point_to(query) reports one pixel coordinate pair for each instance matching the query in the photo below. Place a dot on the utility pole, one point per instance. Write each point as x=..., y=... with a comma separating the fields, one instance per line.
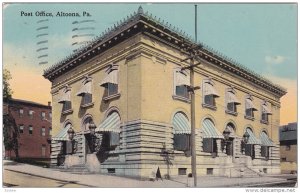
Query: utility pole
x=192, y=93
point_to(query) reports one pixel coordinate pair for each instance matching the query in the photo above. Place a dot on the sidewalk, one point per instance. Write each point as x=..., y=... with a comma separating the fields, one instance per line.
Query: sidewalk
x=107, y=181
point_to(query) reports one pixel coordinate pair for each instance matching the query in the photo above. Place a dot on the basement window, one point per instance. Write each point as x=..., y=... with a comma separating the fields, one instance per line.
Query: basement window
x=111, y=170
x=182, y=171
x=209, y=171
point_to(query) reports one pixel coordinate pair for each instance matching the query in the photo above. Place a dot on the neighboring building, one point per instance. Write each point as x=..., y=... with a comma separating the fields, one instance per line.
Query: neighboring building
x=34, y=123
x=128, y=84
x=288, y=148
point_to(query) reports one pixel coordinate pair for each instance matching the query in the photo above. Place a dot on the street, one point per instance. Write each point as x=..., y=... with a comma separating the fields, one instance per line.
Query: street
x=25, y=175
x=16, y=179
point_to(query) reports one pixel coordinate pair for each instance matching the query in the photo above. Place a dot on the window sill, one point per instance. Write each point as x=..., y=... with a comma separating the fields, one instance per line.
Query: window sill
x=249, y=118
x=87, y=105
x=264, y=122
x=107, y=98
x=231, y=112
x=209, y=106
x=69, y=111
x=181, y=98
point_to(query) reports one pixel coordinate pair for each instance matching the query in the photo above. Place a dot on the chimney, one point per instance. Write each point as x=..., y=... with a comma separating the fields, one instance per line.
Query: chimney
x=49, y=103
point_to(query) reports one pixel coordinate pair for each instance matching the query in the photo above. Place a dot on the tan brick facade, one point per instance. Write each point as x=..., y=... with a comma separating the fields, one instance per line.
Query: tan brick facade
x=146, y=105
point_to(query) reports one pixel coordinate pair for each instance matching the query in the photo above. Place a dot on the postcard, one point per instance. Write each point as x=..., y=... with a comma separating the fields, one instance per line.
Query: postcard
x=149, y=95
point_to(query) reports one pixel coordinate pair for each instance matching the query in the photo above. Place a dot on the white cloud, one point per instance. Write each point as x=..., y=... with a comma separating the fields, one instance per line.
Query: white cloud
x=275, y=59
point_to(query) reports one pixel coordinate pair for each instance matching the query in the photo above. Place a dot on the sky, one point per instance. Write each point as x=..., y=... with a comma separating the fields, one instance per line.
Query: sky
x=262, y=37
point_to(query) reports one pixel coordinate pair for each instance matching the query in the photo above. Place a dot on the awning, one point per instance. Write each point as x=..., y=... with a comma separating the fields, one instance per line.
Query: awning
x=265, y=140
x=111, y=77
x=181, y=124
x=182, y=79
x=266, y=110
x=209, y=89
x=232, y=98
x=85, y=89
x=65, y=96
x=252, y=139
x=209, y=130
x=110, y=124
x=250, y=105
x=63, y=134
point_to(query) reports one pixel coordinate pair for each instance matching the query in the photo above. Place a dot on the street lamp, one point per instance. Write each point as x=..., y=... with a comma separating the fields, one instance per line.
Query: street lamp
x=92, y=128
x=71, y=133
x=246, y=137
x=226, y=134
x=245, y=141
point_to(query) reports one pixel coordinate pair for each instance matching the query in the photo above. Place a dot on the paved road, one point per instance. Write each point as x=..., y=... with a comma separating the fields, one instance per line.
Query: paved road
x=25, y=175
x=16, y=179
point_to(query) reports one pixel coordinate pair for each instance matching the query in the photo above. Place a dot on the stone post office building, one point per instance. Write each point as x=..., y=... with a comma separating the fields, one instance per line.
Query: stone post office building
x=127, y=100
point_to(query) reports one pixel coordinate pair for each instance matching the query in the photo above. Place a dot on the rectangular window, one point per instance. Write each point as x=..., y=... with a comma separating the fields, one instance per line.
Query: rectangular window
x=283, y=159
x=264, y=117
x=209, y=100
x=110, y=89
x=209, y=171
x=21, y=112
x=30, y=113
x=87, y=98
x=21, y=128
x=249, y=113
x=43, y=150
x=181, y=142
x=210, y=146
x=30, y=130
x=265, y=151
x=50, y=115
x=67, y=106
x=182, y=91
x=43, y=131
x=249, y=150
x=43, y=115
x=111, y=170
x=182, y=171
x=231, y=107
x=50, y=131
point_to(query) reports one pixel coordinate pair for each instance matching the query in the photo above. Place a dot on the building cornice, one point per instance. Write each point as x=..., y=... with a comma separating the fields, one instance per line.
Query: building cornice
x=146, y=23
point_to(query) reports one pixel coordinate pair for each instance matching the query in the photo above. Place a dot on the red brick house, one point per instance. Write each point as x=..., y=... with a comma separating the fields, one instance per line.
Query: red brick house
x=34, y=124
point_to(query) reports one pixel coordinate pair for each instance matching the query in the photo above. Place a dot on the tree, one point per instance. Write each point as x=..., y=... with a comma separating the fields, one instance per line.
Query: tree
x=7, y=92
x=10, y=128
x=10, y=134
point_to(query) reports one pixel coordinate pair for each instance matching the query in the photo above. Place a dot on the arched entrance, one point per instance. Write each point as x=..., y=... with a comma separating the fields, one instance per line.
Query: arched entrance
x=229, y=143
x=88, y=142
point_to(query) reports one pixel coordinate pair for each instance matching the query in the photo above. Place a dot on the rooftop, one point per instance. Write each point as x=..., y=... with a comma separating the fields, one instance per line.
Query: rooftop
x=25, y=102
x=143, y=21
x=288, y=132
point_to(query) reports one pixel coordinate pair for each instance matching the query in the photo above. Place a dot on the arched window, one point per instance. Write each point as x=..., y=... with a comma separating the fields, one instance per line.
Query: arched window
x=210, y=136
x=181, y=132
x=266, y=143
x=86, y=123
x=110, y=128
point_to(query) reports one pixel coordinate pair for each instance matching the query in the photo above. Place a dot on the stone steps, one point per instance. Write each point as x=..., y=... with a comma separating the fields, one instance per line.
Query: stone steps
x=75, y=169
